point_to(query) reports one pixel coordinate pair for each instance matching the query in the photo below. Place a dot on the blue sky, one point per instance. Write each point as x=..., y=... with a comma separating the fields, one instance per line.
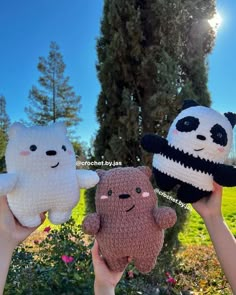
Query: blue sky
x=27, y=27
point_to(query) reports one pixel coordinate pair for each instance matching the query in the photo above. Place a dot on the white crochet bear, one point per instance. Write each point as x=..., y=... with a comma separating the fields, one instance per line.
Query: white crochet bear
x=41, y=174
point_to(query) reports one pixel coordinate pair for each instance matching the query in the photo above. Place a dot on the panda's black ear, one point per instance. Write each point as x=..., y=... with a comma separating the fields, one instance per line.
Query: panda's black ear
x=188, y=103
x=231, y=117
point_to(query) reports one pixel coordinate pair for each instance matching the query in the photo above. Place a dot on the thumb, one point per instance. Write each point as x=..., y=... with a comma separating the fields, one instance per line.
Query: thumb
x=95, y=250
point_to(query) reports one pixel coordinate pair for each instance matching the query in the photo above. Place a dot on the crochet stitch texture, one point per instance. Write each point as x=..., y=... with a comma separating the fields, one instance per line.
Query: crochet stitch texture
x=127, y=222
x=41, y=174
x=192, y=156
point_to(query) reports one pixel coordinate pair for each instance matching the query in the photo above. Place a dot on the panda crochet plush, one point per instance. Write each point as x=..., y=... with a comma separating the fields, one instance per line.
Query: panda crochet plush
x=198, y=142
x=41, y=174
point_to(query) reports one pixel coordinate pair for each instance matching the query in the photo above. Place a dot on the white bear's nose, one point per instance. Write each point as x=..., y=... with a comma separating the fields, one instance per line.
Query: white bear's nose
x=51, y=153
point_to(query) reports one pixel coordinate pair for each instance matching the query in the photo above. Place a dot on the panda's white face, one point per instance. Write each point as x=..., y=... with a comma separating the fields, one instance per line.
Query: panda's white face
x=202, y=132
x=39, y=149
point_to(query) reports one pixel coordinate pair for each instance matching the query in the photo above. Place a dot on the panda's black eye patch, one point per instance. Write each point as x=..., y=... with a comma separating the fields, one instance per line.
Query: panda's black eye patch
x=187, y=124
x=219, y=135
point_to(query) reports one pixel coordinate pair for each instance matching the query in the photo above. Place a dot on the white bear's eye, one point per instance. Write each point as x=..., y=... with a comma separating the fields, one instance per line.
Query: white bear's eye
x=109, y=193
x=33, y=148
x=64, y=148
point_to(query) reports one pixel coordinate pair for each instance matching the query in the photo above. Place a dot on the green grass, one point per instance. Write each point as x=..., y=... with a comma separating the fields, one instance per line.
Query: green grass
x=195, y=231
x=78, y=213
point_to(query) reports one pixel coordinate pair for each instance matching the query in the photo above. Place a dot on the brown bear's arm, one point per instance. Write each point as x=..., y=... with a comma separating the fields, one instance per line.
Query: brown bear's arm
x=165, y=217
x=91, y=224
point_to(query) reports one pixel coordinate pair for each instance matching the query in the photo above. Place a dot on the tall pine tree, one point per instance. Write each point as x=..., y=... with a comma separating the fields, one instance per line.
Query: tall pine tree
x=152, y=54
x=54, y=99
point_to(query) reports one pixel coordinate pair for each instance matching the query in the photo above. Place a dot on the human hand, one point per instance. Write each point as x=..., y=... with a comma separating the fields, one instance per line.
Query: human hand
x=210, y=207
x=105, y=279
x=11, y=231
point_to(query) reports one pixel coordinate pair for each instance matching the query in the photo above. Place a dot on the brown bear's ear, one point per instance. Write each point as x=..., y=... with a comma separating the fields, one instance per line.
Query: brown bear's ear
x=146, y=170
x=100, y=173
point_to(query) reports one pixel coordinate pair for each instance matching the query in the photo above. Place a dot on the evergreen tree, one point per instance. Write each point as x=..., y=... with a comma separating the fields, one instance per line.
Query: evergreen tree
x=4, y=124
x=4, y=118
x=151, y=55
x=55, y=99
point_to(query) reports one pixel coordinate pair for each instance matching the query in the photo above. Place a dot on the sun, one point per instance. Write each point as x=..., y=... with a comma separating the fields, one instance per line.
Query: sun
x=216, y=21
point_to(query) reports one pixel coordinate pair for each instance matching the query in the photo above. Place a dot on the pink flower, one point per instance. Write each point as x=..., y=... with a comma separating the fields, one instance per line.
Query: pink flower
x=130, y=274
x=47, y=229
x=67, y=259
x=167, y=274
x=171, y=281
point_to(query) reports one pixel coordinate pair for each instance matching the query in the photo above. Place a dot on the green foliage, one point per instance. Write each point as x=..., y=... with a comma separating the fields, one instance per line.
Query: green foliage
x=151, y=56
x=41, y=270
x=161, y=60
x=195, y=231
x=3, y=143
x=55, y=99
x=38, y=269
x=78, y=214
x=89, y=200
x=4, y=125
x=4, y=118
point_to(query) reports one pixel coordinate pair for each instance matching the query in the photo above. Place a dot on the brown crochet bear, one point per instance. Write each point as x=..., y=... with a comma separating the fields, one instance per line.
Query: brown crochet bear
x=128, y=222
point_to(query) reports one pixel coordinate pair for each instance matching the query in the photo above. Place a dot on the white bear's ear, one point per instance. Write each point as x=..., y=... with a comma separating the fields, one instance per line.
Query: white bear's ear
x=15, y=128
x=60, y=126
x=101, y=173
x=146, y=170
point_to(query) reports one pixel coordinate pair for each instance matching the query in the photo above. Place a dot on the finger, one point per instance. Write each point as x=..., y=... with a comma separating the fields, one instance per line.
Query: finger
x=95, y=250
x=3, y=202
x=130, y=259
x=43, y=217
x=217, y=187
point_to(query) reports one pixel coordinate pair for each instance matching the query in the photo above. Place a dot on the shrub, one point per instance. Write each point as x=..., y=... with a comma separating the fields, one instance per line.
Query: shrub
x=59, y=264
x=42, y=268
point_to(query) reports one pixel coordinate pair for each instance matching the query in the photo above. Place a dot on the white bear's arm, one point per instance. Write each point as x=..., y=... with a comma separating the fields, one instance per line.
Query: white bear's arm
x=7, y=183
x=87, y=178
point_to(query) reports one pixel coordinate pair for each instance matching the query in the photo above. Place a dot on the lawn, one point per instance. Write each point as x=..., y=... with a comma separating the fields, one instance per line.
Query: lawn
x=195, y=231
x=197, y=270
x=78, y=213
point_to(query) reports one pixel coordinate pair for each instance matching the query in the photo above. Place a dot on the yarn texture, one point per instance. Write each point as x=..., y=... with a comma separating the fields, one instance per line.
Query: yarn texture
x=198, y=142
x=127, y=222
x=41, y=174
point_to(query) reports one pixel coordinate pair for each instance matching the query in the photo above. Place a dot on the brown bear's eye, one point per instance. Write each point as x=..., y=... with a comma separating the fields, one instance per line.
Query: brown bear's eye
x=138, y=190
x=109, y=193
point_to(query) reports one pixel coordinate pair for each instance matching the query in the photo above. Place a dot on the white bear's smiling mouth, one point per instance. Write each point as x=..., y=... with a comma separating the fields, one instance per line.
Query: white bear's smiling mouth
x=130, y=208
x=199, y=150
x=55, y=165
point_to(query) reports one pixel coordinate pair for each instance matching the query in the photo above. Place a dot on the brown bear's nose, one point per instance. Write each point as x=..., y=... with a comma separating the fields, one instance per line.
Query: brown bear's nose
x=124, y=196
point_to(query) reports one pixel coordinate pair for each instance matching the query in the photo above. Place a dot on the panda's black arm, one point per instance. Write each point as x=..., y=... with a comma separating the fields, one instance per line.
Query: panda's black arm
x=225, y=175
x=153, y=143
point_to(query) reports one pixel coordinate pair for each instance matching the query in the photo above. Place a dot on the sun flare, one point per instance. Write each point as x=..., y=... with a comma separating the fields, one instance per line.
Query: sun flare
x=216, y=21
